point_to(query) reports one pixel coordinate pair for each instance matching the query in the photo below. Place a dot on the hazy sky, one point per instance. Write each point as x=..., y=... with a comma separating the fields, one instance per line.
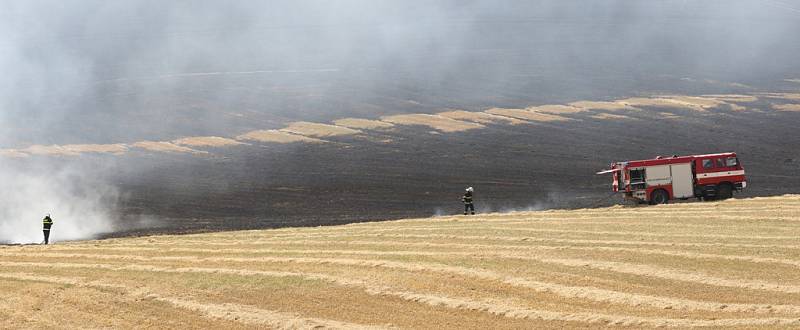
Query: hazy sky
x=100, y=71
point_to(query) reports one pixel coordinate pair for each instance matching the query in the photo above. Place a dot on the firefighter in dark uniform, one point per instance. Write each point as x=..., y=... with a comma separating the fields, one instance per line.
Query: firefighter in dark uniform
x=467, y=199
x=47, y=222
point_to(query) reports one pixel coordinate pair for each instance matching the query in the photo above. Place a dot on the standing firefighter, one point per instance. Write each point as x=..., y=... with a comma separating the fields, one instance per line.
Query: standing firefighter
x=467, y=199
x=47, y=222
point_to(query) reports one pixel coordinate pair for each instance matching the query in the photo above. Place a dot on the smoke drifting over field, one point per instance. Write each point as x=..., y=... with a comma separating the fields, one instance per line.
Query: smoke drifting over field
x=81, y=206
x=81, y=71
x=183, y=77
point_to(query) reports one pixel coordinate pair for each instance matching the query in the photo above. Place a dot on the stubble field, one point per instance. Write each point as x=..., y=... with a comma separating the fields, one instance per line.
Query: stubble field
x=732, y=263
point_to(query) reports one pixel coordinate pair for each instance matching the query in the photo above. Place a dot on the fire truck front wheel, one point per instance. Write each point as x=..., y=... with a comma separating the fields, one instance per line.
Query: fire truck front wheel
x=725, y=191
x=659, y=196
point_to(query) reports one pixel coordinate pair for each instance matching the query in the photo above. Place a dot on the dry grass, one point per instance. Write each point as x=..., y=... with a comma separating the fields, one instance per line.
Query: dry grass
x=722, y=264
x=669, y=115
x=557, y=109
x=116, y=149
x=480, y=117
x=206, y=141
x=436, y=122
x=162, y=146
x=358, y=123
x=526, y=115
x=782, y=96
x=609, y=116
x=318, y=130
x=648, y=102
x=786, y=107
x=703, y=103
x=276, y=136
x=51, y=150
x=675, y=101
x=599, y=105
x=12, y=153
x=68, y=150
x=732, y=97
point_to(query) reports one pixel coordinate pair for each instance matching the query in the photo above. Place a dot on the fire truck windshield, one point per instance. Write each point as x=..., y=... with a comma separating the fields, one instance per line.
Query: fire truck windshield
x=732, y=161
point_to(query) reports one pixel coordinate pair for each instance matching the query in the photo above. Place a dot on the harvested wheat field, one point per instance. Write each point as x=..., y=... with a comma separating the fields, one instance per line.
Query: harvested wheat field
x=733, y=263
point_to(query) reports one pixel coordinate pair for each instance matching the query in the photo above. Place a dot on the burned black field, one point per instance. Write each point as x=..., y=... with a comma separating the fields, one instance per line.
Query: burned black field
x=415, y=171
x=535, y=158
x=264, y=115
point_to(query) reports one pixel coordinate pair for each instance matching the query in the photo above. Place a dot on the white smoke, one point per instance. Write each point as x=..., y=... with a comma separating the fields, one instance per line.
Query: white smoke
x=81, y=206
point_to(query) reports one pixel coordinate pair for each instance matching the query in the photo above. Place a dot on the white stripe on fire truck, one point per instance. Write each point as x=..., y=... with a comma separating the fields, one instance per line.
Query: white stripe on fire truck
x=718, y=174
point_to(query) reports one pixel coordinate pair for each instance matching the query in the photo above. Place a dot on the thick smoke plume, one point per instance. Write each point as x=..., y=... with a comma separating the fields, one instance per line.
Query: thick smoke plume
x=118, y=65
x=81, y=205
x=100, y=72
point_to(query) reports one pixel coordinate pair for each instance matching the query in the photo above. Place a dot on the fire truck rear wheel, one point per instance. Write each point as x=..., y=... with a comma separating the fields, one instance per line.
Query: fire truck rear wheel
x=725, y=191
x=659, y=197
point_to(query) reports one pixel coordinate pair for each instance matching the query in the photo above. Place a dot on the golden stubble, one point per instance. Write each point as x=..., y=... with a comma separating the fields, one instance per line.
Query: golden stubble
x=437, y=122
x=318, y=130
x=359, y=123
x=480, y=117
x=601, y=105
x=206, y=141
x=781, y=96
x=527, y=115
x=695, y=103
x=557, y=109
x=163, y=146
x=276, y=136
x=13, y=153
x=787, y=107
x=721, y=264
x=72, y=149
x=609, y=116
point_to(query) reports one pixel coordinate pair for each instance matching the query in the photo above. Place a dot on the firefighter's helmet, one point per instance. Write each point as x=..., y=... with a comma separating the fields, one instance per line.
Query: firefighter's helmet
x=469, y=189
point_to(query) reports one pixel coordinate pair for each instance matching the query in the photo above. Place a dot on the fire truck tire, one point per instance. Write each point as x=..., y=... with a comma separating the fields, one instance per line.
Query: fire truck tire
x=659, y=196
x=725, y=191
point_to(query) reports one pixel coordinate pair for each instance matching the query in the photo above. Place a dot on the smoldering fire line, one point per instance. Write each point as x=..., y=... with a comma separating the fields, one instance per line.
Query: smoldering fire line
x=82, y=205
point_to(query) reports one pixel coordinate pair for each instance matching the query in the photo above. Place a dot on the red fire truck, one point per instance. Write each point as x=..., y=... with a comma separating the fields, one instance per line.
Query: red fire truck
x=659, y=180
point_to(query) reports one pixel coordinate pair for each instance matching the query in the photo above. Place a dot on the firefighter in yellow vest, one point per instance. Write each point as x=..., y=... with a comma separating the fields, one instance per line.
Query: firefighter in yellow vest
x=47, y=223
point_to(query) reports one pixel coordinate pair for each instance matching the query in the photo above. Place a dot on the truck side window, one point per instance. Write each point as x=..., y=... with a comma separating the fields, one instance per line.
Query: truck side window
x=720, y=162
x=707, y=163
x=731, y=161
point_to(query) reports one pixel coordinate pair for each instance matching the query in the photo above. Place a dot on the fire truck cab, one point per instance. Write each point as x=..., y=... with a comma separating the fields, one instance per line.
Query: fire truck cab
x=659, y=180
